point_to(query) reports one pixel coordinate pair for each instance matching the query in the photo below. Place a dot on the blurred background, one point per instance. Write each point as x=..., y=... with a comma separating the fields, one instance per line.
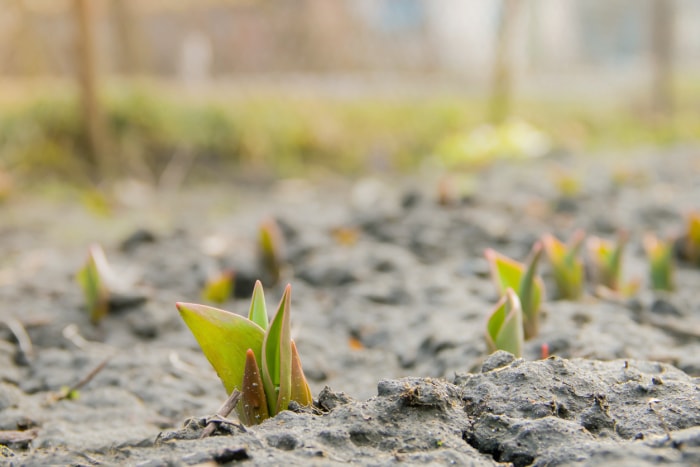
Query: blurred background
x=168, y=92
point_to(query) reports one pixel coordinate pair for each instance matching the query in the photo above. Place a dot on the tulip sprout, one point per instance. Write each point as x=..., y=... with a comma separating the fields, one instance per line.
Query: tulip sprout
x=219, y=288
x=508, y=273
x=252, y=356
x=504, y=327
x=270, y=246
x=660, y=255
x=95, y=278
x=567, y=266
x=606, y=265
x=691, y=246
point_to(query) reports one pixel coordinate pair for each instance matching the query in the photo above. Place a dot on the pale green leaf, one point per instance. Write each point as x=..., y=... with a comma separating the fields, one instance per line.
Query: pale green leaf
x=505, y=325
x=567, y=267
x=530, y=292
x=258, y=309
x=93, y=282
x=224, y=338
x=277, y=357
x=504, y=271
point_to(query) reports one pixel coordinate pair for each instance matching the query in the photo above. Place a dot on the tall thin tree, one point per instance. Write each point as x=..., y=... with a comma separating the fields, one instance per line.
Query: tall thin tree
x=662, y=40
x=502, y=77
x=93, y=115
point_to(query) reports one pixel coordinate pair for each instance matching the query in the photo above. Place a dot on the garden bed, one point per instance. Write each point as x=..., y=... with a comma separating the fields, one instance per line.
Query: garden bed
x=390, y=293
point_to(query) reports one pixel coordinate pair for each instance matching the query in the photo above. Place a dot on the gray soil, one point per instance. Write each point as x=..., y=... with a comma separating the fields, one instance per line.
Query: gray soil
x=389, y=328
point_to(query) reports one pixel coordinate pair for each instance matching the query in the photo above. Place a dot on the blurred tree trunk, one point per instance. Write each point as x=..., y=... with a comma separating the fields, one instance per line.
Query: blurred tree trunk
x=501, y=80
x=662, y=39
x=130, y=56
x=88, y=80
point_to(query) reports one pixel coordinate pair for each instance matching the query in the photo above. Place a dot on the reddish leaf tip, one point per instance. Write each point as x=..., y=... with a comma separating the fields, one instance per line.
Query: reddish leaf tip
x=537, y=247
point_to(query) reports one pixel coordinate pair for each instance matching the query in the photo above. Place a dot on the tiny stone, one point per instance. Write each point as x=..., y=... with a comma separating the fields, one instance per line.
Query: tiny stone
x=662, y=306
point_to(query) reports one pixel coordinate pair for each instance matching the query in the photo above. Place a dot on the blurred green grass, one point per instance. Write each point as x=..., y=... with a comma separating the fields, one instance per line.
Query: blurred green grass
x=235, y=133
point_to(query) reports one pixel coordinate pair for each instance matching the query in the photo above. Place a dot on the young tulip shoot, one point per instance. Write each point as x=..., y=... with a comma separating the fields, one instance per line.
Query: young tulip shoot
x=94, y=278
x=606, y=261
x=567, y=267
x=270, y=249
x=692, y=239
x=660, y=255
x=258, y=359
x=218, y=289
x=508, y=273
x=504, y=328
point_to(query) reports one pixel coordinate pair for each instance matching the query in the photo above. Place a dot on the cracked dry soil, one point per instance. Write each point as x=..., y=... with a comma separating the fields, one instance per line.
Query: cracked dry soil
x=390, y=294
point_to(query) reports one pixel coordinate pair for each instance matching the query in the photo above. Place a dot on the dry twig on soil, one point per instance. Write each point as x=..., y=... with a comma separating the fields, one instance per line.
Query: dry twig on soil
x=222, y=413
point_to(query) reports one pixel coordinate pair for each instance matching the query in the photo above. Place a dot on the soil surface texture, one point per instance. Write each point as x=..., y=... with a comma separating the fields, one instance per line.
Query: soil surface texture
x=390, y=293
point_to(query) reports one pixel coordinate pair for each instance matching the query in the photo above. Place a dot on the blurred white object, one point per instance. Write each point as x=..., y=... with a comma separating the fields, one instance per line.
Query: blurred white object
x=514, y=139
x=195, y=58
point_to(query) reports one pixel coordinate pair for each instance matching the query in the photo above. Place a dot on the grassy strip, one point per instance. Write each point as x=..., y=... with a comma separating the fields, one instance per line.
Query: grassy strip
x=41, y=134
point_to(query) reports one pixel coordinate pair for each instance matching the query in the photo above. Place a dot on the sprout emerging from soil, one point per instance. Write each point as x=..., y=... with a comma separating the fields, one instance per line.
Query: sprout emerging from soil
x=219, y=288
x=568, y=184
x=660, y=255
x=606, y=264
x=270, y=247
x=567, y=266
x=94, y=278
x=508, y=273
x=504, y=327
x=689, y=243
x=252, y=356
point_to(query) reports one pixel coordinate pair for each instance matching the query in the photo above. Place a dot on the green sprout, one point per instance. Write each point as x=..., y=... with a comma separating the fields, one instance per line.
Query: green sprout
x=252, y=356
x=504, y=327
x=606, y=262
x=690, y=247
x=219, y=288
x=567, y=266
x=660, y=255
x=94, y=278
x=270, y=246
x=508, y=273
x=568, y=184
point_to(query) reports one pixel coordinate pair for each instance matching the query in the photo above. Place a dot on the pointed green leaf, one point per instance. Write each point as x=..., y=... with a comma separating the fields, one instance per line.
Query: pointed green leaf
x=252, y=408
x=508, y=273
x=301, y=392
x=606, y=259
x=660, y=254
x=567, y=267
x=277, y=357
x=224, y=338
x=504, y=271
x=692, y=238
x=504, y=328
x=530, y=292
x=270, y=249
x=615, y=261
x=95, y=288
x=258, y=310
x=576, y=243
